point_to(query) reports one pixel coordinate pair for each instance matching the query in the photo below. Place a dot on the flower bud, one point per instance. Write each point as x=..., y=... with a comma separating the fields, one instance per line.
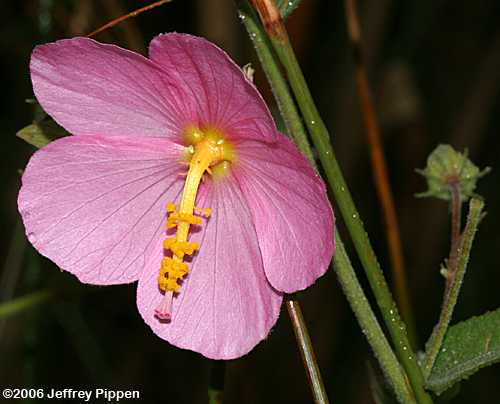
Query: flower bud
x=447, y=168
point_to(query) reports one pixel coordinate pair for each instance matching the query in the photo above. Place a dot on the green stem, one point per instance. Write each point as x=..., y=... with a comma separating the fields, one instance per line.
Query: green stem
x=345, y=273
x=279, y=86
x=287, y=7
x=370, y=326
x=18, y=305
x=295, y=128
x=463, y=251
x=321, y=139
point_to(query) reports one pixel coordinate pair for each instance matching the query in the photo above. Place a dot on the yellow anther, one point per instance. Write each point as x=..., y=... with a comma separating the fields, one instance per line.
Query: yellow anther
x=169, y=242
x=180, y=248
x=166, y=262
x=175, y=269
x=177, y=273
x=162, y=279
x=171, y=207
x=175, y=218
x=172, y=285
x=162, y=282
x=189, y=248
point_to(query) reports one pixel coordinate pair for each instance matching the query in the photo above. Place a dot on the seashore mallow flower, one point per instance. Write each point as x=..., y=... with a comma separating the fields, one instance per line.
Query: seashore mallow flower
x=175, y=176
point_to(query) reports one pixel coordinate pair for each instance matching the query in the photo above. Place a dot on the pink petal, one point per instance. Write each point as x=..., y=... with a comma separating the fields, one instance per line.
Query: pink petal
x=291, y=212
x=93, y=204
x=93, y=88
x=220, y=94
x=225, y=305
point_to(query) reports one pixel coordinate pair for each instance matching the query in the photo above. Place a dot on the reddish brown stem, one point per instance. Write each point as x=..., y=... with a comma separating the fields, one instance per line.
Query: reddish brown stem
x=456, y=221
x=306, y=350
x=127, y=16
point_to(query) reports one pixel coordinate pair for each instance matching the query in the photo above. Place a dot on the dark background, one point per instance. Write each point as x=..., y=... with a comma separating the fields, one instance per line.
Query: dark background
x=435, y=69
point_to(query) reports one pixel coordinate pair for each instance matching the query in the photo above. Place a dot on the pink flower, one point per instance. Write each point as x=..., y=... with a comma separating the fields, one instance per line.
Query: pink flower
x=249, y=222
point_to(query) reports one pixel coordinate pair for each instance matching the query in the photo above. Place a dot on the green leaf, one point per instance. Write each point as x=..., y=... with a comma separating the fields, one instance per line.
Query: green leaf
x=467, y=347
x=39, y=134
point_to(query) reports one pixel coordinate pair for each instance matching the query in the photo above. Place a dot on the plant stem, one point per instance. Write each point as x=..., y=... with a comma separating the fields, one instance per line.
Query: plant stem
x=456, y=222
x=370, y=326
x=279, y=86
x=306, y=350
x=287, y=7
x=18, y=305
x=344, y=270
x=295, y=128
x=456, y=276
x=345, y=273
x=279, y=38
x=379, y=168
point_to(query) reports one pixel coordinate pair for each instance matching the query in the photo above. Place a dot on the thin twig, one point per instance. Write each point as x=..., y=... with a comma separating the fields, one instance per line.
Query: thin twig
x=127, y=16
x=379, y=166
x=131, y=34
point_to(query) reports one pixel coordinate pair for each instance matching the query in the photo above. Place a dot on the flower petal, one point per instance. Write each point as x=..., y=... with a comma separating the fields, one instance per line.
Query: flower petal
x=221, y=95
x=93, y=88
x=92, y=204
x=225, y=305
x=291, y=212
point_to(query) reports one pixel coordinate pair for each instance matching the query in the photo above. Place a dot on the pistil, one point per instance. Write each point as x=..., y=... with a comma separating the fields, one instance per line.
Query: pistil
x=209, y=149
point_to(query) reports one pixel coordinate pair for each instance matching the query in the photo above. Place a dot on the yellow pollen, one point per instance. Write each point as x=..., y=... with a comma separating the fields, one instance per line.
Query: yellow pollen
x=206, y=149
x=170, y=207
x=177, y=217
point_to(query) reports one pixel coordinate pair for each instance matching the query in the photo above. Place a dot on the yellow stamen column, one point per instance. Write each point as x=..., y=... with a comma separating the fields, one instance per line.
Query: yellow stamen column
x=208, y=149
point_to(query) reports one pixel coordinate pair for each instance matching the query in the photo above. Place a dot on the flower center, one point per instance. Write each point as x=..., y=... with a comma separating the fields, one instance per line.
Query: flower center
x=207, y=152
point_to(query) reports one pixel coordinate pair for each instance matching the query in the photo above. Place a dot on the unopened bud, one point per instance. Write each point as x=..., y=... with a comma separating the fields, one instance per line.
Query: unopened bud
x=447, y=168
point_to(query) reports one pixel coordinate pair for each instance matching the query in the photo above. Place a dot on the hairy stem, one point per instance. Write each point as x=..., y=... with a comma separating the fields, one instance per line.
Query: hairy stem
x=455, y=277
x=370, y=326
x=295, y=128
x=344, y=270
x=279, y=86
x=279, y=38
